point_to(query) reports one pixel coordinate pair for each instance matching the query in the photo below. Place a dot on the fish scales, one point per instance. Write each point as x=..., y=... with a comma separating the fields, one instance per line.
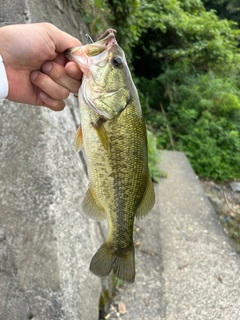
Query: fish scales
x=113, y=134
x=115, y=168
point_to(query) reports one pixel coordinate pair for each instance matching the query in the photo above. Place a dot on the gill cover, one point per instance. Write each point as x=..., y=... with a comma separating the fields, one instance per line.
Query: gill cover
x=104, y=66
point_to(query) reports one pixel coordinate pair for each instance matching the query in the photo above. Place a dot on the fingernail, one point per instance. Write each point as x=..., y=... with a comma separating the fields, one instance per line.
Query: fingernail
x=43, y=95
x=34, y=75
x=47, y=66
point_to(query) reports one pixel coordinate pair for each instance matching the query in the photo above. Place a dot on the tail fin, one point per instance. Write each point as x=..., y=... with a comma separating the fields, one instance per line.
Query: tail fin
x=123, y=265
x=102, y=262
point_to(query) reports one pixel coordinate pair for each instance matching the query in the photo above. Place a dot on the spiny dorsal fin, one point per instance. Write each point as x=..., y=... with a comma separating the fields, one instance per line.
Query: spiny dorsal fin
x=147, y=201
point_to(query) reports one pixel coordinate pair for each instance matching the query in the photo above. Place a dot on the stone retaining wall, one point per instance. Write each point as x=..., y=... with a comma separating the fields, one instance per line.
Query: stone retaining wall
x=46, y=242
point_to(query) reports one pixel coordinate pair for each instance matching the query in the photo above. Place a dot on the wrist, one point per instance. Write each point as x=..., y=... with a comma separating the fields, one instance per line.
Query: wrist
x=3, y=80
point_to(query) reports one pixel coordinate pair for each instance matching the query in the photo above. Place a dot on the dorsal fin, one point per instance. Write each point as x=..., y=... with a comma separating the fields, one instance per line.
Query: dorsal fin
x=147, y=201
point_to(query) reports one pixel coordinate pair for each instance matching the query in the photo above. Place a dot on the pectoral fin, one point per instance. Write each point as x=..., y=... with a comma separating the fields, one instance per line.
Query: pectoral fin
x=92, y=207
x=78, y=141
x=102, y=133
x=147, y=201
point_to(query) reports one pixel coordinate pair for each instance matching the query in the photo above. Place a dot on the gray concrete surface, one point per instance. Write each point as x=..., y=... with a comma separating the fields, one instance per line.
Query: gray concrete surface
x=46, y=242
x=186, y=266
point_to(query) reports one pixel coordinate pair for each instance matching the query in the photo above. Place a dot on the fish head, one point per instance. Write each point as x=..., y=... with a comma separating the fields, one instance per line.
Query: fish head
x=90, y=54
x=107, y=85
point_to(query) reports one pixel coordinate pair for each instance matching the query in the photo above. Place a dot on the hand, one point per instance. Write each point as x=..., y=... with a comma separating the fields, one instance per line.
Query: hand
x=37, y=70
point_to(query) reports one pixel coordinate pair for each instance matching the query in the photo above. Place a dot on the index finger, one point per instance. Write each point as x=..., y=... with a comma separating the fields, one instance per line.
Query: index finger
x=61, y=39
x=73, y=70
x=60, y=59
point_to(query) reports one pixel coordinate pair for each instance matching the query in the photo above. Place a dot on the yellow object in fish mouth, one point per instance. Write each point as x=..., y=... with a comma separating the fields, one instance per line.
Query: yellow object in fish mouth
x=113, y=134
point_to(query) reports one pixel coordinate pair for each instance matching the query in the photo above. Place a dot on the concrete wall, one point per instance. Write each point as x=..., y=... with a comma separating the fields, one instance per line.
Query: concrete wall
x=46, y=242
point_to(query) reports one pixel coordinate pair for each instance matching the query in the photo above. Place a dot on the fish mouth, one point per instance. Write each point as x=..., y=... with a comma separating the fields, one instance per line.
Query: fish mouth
x=91, y=50
x=90, y=55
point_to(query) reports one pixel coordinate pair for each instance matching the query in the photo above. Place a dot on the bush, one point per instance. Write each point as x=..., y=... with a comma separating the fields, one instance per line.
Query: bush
x=204, y=115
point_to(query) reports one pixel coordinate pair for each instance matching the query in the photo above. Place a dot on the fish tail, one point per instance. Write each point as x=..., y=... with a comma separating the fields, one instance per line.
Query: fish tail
x=102, y=262
x=123, y=264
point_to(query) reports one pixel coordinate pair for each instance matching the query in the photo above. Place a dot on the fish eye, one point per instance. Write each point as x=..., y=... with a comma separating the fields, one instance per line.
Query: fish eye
x=117, y=62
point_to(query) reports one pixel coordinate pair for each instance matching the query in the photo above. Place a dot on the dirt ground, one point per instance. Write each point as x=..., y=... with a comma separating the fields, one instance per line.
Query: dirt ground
x=226, y=203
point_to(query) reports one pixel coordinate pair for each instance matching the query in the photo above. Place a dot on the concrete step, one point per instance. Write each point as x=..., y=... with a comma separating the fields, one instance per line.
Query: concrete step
x=186, y=266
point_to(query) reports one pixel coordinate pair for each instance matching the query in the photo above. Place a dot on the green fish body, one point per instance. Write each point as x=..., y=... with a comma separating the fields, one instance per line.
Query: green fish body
x=113, y=134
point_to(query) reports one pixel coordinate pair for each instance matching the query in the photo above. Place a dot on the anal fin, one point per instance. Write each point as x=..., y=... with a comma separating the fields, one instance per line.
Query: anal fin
x=92, y=207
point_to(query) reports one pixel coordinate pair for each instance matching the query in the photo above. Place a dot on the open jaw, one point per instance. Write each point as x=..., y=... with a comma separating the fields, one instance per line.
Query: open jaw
x=91, y=53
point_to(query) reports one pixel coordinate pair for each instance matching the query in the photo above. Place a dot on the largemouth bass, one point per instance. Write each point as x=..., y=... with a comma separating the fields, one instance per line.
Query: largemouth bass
x=113, y=134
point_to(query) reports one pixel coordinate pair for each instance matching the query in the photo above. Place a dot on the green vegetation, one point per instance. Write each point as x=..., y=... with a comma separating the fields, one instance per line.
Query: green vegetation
x=186, y=65
x=233, y=231
x=226, y=9
x=205, y=121
x=153, y=158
